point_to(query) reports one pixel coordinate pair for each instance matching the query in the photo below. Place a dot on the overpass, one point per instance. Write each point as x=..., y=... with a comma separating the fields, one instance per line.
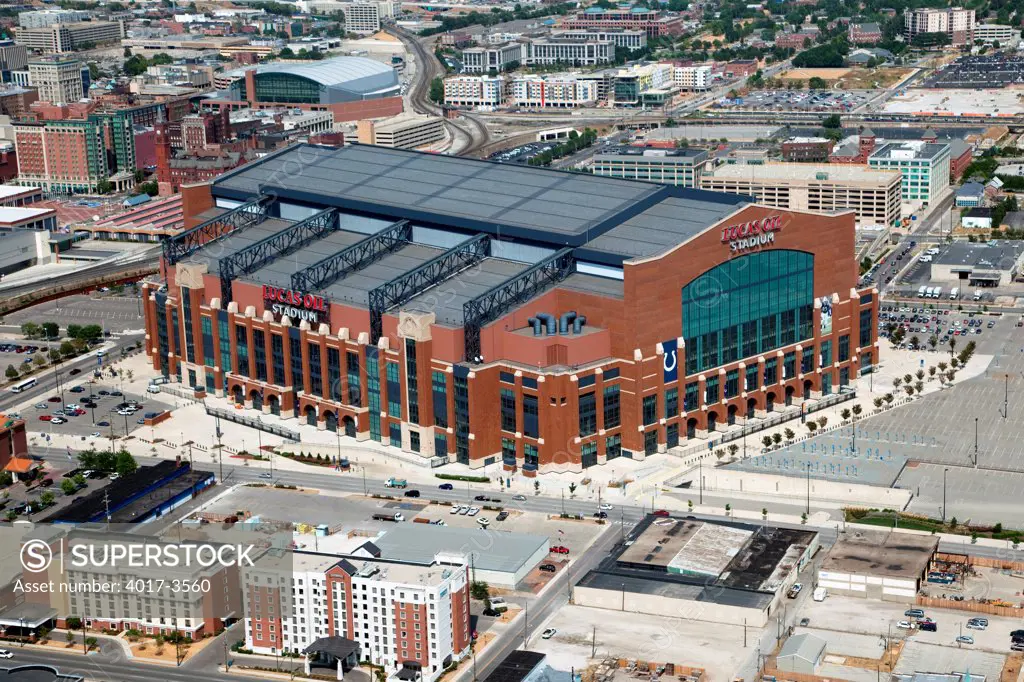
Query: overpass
x=119, y=270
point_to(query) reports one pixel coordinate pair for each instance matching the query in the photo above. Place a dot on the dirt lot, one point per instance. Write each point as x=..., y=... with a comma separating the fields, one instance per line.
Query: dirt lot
x=989, y=583
x=716, y=648
x=850, y=79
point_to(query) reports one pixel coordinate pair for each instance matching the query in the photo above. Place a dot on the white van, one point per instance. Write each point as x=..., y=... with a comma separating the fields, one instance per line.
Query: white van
x=932, y=251
x=930, y=293
x=977, y=295
x=954, y=294
x=938, y=292
x=819, y=594
x=921, y=292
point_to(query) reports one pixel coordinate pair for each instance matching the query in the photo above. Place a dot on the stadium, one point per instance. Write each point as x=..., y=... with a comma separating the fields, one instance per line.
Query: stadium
x=480, y=312
x=350, y=87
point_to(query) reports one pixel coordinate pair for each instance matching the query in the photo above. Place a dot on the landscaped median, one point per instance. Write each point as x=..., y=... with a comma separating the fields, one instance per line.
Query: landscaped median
x=891, y=518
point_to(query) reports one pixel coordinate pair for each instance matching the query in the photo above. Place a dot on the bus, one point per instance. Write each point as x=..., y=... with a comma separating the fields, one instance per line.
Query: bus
x=22, y=385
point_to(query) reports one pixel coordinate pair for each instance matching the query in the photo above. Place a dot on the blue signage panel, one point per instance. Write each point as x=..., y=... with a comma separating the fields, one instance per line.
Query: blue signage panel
x=671, y=360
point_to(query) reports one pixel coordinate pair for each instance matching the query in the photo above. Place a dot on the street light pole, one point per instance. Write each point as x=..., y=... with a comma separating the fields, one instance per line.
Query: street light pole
x=808, y=488
x=944, y=495
x=700, y=466
x=975, y=441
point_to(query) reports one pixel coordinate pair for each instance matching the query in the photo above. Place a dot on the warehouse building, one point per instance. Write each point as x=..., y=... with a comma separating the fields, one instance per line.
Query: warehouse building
x=484, y=313
x=878, y=565
x=407, y=131
x=873, y=195
x=729, y=572
x=988, y=264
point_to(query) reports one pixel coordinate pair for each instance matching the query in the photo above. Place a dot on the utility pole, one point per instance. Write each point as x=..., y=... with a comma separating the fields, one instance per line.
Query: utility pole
x=220, y=459
x=975, y=442
x=744, y=633
x=808, y=488
x=700, y=468
x=944, y=495
x=526, y=624
x=593, y=642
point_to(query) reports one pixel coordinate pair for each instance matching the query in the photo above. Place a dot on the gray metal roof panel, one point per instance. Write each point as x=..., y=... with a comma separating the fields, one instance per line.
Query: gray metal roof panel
x=663, y=226
x=279, y=271
x=448, y=187
x=592, y=284
x=446, y=299
x=504, y=551
x=356, y=287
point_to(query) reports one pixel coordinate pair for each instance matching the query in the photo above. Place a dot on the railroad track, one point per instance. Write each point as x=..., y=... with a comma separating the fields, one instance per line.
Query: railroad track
x=427, y=69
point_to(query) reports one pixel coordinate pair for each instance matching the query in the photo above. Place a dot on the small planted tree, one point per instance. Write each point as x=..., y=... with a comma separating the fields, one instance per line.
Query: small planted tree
x=776, y=438
x=733, y=449
x=919, y=374
x=931, y=371
x=822, y=421
x=845, y=414
x=767, y=441
x=789, y=434
x=764, y=513
x=897, y=382
x=572, y=489
x=857, y=410
x=878, y=403
x=811, y=426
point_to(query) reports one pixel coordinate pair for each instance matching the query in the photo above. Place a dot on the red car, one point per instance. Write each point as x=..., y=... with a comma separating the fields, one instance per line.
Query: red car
x=660, y=512
x=53, y=399
x=559, y=549
x=45, y=418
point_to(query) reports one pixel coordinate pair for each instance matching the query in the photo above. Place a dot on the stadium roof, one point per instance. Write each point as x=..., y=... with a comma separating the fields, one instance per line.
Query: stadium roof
x=329, y=72
x=616, y=219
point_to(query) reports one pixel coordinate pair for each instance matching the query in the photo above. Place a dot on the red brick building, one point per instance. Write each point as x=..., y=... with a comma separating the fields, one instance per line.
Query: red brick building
x=577, y=318
x=815, y=149
x=653, y=21
x=14, y=457
x=864, y=34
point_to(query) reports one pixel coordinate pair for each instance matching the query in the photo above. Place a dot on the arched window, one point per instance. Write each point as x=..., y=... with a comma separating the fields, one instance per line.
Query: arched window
x=747, y=306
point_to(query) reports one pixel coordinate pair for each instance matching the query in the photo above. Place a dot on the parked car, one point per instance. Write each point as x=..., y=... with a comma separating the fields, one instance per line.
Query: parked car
x=661, y=512
x=58, y=420
x=483, y=521
x=77, y=389
x=905, y=625
x=53, y=399
x=463, y=510
x=548, y=568
x=103, y=423
x=549, y=633
x=794, y=591
x=41, y=406
x=965, y=639
x=977, y=623
x=45, y=418
x=600, y=515
x=501, y=516
x=914, y=613
x=152, y=389
x=473, y=511
x=559, y=549
x=928, y=626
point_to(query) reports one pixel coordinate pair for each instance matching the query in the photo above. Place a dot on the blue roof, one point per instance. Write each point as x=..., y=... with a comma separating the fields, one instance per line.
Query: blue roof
x=971, y=189
x=594, y=10
x=137, y=200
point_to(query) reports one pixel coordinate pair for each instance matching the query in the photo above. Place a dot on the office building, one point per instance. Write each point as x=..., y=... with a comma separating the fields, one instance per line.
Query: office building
x=654, y=22
x=474, y=91
x=553, y=92
x=569, y=51
x=59, y=38
x=493, y=59
x=957, y=23
x=680, y=167
x=621, y=38
x=692, y=78
x=49, y=17
x=367, y=17
x=924, y=167
x=405, y=616
x=873, y=195
x=58, y=79
x=16, y=100
x=643, y=84
x=620, y=342
x=13, y=57
x=407, y=131
x=807, y=149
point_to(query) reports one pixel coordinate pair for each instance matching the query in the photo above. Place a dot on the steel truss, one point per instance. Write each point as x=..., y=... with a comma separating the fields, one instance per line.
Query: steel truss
x=288, y=240
x=188, y=242
x=409, y=285
x=352, y=258
x=515, y=291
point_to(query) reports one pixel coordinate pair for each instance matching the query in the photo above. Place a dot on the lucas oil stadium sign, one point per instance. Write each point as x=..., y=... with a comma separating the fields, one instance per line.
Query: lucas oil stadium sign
x=753, y=234
x=296, y=305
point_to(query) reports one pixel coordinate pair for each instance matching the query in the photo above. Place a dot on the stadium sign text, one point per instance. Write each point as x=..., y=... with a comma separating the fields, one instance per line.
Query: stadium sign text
x=297, y=305
x=753, y=234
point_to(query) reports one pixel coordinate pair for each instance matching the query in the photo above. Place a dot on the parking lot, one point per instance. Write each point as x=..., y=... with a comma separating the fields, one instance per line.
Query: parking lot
x=20, y=498
x=91, y=409
x=20, y=353
x=114, y=312
x=944, y=324
x=522, y=153
x=797, y=100
x=880, y=619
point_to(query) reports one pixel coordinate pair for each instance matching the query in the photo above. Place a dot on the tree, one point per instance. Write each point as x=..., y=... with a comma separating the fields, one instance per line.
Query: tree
x=74, y=331
x=888, y=398
x=767, y=441
x=38, y=360
x=73, y=623
x=92, y=333
x=31, y=330
x=733, y=449
x=789, y=434
x=845, y=414
x=918, y=386
x=572, y=489
x=536, y=487
x=479, y=590
x=126, y=464
x=822, y=422
x=933, y=341
x=69, y=636
x=811, y=426
x=816, y=83
x=857, y=409
x=878, y=402
x=104, y=187
x=914, y=341
x=437, y=90
x=46, y=499
x=66, y=349
x=952, y=345
x=897, y=382
x=51, y=330
x=68, y=486
x=151, y=188
x=12, y=372
x=776, y=438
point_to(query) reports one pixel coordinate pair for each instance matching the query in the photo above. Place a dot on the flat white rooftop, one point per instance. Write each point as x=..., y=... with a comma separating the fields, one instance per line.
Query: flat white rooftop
x=806, y=172
x=14, y=190
x=14, y=215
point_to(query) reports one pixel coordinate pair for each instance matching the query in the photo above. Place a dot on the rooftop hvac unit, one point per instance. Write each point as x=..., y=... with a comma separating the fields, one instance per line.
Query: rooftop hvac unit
x=821, y=176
